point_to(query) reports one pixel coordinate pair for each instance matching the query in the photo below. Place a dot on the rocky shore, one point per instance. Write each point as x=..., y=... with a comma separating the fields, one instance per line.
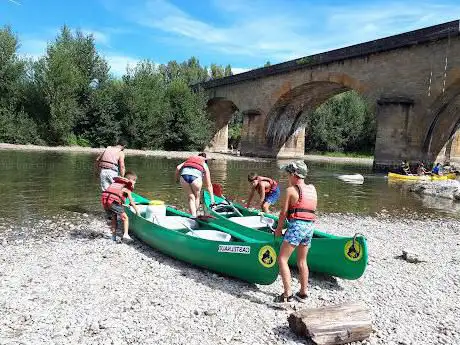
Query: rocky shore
x=62, y=281
x=449, y=189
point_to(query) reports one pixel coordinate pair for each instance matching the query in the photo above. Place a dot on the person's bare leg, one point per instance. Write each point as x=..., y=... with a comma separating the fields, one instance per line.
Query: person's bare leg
x=125, y=226
x=285, y=253
x=266, y=207
x=302, y=252
x=196, y=188
x=113, y=225
x=190, y=195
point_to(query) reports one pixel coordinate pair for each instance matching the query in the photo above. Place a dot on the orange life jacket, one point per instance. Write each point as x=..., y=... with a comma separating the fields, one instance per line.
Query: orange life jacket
x=114, y=194
x=305, y=207
x=109, y=159
x=271, y=187
x=196, y=162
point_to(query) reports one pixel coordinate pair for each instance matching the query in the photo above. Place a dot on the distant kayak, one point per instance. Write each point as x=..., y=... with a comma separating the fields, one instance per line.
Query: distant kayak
x=449, y=176
x=354, y=178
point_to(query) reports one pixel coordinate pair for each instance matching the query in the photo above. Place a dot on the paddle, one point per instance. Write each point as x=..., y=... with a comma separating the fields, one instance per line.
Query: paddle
x=218, y=190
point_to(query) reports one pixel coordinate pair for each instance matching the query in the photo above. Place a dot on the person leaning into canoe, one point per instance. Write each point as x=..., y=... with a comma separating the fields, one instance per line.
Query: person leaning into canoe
x=299, y=209
x=190, y=174
x=111, y=162
x=267, y=188
x=113, y=199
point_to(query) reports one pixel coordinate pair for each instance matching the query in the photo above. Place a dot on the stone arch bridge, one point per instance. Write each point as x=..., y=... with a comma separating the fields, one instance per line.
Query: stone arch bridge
x=413, y=79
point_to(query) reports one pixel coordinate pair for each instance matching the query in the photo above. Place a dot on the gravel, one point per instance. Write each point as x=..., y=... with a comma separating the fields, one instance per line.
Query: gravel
x=62, y=281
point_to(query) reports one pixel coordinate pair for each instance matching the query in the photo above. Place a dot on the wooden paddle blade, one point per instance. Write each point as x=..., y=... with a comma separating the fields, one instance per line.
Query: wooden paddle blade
x=217, y=189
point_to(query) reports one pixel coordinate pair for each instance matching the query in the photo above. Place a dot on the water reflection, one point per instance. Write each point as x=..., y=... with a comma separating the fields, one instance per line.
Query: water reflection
x=42, y=183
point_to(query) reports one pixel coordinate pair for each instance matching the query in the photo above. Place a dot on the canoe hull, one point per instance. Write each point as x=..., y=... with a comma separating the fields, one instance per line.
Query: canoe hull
x=450, y=176
x=239, y=259
x=338, y=256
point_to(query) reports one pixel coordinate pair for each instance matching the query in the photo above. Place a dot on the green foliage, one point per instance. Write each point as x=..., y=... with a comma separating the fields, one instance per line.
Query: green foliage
x=188, y=125
x=343, y=124
x=235, y=127
x=17, y=127
x=67, y=97
x=304, y=61
x=268, y=63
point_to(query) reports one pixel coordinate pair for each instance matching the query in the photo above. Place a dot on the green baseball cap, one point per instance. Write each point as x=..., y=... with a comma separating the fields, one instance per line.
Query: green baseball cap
x=298, y=168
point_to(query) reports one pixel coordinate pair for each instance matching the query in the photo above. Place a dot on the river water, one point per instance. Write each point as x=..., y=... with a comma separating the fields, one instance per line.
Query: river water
x=43, y=184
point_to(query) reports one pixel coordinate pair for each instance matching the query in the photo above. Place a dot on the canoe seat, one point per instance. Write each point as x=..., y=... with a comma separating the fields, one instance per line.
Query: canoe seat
x=175, y=222
x=211, y=235
x=250, y=221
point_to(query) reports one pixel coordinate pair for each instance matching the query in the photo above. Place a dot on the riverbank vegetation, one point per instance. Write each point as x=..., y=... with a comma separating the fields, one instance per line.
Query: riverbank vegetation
x=69, y=97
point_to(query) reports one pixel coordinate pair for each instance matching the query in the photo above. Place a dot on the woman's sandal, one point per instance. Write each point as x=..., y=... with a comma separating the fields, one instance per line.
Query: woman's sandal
x=283, y=299
x=300, y=297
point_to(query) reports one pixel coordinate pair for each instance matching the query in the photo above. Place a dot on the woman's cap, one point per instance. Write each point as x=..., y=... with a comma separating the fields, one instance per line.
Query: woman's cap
x=298, y=168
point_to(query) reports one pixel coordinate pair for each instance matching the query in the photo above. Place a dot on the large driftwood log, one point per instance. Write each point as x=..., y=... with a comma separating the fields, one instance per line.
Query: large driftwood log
x=331, y=325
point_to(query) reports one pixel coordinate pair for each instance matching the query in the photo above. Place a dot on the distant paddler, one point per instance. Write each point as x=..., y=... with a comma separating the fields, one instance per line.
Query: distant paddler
x=190, y=174
x=111, y=163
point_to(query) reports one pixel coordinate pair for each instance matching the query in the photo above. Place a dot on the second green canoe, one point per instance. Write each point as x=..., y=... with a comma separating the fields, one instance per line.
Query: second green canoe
x=344, y=257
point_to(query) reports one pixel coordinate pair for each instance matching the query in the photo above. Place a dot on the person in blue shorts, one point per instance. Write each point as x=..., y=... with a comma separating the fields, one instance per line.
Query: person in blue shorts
x=267, y=188
x=191, y=174
x=299, y=208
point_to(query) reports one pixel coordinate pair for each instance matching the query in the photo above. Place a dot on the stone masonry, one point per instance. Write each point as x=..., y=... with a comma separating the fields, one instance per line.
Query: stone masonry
x=413, y=80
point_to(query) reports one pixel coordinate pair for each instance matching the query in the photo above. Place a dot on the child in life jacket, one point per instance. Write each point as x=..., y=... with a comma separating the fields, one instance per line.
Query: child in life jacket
x=267, y=188
x=113, y=199
x=299, y=209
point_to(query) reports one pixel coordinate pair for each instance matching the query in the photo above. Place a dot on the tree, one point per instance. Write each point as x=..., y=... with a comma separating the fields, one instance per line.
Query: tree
x=188, y=125
x=16, y=126
x=343, y=123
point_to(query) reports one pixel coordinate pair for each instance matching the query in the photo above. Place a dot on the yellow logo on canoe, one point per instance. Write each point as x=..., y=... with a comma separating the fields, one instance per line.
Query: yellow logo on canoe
x=353, y=251
x=267, y=256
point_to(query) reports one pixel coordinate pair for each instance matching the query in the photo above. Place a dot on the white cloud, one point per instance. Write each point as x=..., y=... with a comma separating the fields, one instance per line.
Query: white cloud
x=280, y=30
x=238, y=70
x=119, y=63
x=99, y=37
x=32, y=48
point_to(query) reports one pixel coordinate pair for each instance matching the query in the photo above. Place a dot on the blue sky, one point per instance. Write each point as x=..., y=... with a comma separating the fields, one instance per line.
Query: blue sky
x=244, y=33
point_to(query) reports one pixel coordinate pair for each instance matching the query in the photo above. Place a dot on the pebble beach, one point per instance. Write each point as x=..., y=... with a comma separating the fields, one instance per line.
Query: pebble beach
x=62, y=281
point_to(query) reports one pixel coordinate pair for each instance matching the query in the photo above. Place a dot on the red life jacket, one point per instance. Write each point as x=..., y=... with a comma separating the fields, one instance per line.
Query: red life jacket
x=109, y=159
x=305, y=207
x=271, y=187
x=114, y=194
x=196, y=162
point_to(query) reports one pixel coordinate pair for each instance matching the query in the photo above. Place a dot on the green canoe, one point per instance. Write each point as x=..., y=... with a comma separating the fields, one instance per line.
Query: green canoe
x=343, y=257
x=229, y=252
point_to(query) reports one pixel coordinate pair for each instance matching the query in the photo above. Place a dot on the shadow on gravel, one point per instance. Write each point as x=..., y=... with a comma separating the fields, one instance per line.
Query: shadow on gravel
x=285, y=333
x=84, y=234
x=232, y=286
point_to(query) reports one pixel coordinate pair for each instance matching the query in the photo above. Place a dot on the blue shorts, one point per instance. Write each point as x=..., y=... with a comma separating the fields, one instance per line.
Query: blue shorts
x=272, y=196
x=299, y=232
x=189, y=178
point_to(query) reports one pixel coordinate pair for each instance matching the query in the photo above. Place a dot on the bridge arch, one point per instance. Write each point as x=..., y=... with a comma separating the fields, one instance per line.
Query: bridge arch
x=286, y=118
x=220, y=111
x=445, y=120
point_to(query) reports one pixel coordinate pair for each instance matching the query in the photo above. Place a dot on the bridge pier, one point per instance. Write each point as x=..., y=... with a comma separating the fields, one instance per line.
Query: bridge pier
x=219, y=143
x=254, y=140
x=394, y=142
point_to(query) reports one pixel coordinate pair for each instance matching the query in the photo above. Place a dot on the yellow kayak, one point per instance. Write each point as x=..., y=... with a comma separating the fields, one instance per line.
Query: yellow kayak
x=449, y=176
